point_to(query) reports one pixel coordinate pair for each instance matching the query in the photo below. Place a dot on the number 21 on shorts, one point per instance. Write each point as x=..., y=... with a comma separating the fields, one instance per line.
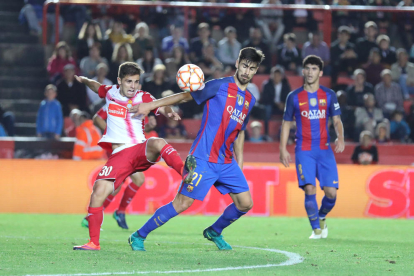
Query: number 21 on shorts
x=105, y=171
x=195, y=175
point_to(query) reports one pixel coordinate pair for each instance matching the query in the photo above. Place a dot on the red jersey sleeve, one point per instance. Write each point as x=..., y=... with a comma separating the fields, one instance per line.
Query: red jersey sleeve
x=147, y=98
x=102, y=113
x=103, y=89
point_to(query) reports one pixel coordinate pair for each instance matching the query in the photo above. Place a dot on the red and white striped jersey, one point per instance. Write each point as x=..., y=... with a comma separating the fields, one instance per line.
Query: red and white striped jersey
x=121, y=128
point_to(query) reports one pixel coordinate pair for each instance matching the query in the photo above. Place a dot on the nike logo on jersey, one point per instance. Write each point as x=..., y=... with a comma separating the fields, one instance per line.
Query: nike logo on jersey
x=335, y=182
x=302, y=103
x=230, y=96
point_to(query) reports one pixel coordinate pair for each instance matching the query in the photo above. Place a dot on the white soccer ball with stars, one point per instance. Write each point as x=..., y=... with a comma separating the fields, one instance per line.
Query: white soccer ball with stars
x=190, y=78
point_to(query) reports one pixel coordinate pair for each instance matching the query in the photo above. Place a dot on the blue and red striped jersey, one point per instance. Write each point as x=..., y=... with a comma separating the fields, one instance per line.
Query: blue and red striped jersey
x=311, y=111
x=226, y=112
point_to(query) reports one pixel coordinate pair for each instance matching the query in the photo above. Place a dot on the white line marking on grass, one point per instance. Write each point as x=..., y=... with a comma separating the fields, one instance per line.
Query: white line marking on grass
x=293, y=258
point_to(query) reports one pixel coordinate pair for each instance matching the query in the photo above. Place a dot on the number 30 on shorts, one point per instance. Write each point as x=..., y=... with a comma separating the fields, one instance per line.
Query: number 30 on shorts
x=105, y=171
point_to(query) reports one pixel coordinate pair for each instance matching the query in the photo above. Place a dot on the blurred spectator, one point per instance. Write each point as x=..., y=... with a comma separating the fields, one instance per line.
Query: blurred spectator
x=388, y=56
x=87, y=137
x=7, y=119
x=402, y=72
x=175, y=39
x=365, y=44
x=241, y=18
x=178, y=59
x=101, y=73
x=367, y=117
x=355, y=93
x=122, y=53
x=49, y=123
x=256, y=135
x=271, y=22
x=274, y=94
x=366, y=153
x=148, y=61
x=89, y=35
x=88, y=64
x=343, y=56
x=60, y=58
x=288, y=54
x=173, y=130
x=143, y=40
x=388, y=94
x=373, y=67
x=383, y=19
x=150, y=125
x=208, y=62
x=399, y=128
x=347, y=115
x=197, y=43
x=256, y=41
x=157, y=83
x=299, y=17
x=382, y=133
x=113, y=36
x=229, y=47
x=213, y=15
x=315, y=46
x=71, y=94
x=405, y=22
x=32, y=14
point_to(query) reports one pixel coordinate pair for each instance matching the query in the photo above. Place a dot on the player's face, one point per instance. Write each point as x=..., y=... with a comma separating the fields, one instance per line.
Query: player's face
x=129, y=85
x=245, y=71
x=311, y=73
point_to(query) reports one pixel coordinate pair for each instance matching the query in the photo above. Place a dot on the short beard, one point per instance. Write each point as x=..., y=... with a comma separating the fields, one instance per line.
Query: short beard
x=241, y=81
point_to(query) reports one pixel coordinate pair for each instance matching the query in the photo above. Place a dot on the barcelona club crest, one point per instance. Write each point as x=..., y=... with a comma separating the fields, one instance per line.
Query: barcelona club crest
x=240, y=99
x=322, y=102
x=189, y=188
x=246, y=105
x=313, y=102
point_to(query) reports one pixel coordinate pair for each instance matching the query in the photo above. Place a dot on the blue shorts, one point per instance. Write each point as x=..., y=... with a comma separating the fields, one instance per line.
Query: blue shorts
x=227, y=178
x=318, y=164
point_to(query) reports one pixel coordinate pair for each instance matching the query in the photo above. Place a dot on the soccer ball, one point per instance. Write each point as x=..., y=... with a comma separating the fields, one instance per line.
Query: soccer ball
x=190, y=78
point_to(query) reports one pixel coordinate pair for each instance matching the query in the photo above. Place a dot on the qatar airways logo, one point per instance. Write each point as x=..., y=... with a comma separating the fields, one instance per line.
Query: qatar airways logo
x=313, y=114
x=117, y=110
x=236, y=115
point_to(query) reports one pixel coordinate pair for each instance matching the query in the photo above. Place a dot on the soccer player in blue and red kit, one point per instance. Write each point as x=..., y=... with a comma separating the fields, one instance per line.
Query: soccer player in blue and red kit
x=226, y=113
x=311, y=106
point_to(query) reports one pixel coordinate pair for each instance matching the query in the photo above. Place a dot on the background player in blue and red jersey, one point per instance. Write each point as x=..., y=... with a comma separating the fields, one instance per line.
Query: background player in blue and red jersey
x=218, y=149
x=311, y=106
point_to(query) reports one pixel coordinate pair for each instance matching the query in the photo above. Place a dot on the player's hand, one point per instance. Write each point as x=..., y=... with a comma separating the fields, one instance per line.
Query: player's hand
x=173, y=115
x=142, y=109
x=284, y=157
x=339, y=145
x=79, y=79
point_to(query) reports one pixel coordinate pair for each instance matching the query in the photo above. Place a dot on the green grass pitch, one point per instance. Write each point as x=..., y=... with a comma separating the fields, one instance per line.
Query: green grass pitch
x=42, y=244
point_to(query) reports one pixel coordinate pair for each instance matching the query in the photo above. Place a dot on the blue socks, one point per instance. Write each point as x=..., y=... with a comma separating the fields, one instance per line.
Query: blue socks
x=326, y=207
x=229, y=215
x=161, y=216
x=311, y=207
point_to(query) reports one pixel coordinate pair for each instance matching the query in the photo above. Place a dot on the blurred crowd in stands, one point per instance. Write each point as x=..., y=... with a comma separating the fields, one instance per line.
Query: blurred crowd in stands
x=372, y=52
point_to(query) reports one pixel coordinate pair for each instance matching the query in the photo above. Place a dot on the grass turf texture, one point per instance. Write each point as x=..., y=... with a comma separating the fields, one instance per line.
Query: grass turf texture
x=42, y=244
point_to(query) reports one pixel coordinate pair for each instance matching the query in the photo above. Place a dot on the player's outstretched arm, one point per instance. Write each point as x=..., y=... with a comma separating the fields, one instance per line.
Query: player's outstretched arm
x=238, y=149
x=145, y=108
x=169, y=112
x=284, y=155
x=339, y=129
x=93, y=85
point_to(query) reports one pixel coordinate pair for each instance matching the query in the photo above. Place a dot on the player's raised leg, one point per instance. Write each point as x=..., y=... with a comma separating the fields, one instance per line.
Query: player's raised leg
x=160, y=217
x=137, y=179
x=101, y=189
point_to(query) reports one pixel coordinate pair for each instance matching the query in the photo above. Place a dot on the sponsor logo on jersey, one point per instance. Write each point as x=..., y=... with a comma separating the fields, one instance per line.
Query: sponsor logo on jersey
x=336, y=105
x=236, y=115
x=117, y=111
x=313, y=114
x=322, y=102
x=313, y=102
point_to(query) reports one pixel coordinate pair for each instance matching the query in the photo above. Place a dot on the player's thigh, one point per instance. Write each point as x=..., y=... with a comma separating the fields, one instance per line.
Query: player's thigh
x=231, y=180
x=204, y=176
x=138, y=178
x=327, y=171
x=243, y=201
x=305, y=168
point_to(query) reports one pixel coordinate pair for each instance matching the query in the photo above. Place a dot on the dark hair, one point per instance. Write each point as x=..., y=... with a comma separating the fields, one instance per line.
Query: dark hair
x=129, y=69
x=314, y=60
x=251, y=54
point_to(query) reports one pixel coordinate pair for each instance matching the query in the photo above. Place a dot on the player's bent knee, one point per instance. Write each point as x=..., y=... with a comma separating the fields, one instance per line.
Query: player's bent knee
x=182, y=203
x=101, y=189
x=245, y=207
x=138, y=178
x=156, y=144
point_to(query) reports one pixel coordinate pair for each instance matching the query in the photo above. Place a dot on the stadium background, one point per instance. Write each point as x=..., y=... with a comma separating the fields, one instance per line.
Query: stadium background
x=37, y=186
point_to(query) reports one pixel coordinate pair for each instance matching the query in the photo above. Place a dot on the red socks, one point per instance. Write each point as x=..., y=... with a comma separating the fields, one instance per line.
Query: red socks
x=108, y=201
x=95, y=219
x=129, y=194
x=172, y=158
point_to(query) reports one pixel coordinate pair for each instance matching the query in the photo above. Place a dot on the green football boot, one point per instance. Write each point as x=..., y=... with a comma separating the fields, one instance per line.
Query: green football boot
x=213, y=236
x=136, y=242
